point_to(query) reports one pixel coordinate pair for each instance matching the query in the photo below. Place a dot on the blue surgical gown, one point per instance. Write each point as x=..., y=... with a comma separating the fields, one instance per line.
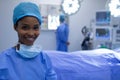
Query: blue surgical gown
x=15, y=67
x=62, y=33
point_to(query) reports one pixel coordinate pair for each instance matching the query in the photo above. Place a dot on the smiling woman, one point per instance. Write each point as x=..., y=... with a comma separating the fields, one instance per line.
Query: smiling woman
x=26, y=61
x=28, y=30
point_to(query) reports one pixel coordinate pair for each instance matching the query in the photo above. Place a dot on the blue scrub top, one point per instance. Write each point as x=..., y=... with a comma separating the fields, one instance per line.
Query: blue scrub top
x=62, y=33
x=15, y=67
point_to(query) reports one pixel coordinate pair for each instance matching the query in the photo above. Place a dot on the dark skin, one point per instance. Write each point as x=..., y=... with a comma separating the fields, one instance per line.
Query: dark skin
x=28, y=29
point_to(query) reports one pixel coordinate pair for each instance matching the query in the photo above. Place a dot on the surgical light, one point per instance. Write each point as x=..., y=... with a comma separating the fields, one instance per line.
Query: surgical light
x=114, y=7
x=70, y=6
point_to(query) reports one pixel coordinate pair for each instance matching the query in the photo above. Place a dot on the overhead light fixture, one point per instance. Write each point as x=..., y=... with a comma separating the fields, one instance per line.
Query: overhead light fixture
x=70, y=7
x=114, y=7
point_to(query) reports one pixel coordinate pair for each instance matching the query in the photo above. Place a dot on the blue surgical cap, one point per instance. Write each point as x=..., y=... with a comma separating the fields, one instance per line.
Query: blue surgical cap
x=62, y=18
x=26, y=9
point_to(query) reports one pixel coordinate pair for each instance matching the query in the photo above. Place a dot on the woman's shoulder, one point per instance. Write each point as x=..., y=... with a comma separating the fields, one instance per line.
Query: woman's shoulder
x=3, y=57
x=7, y=51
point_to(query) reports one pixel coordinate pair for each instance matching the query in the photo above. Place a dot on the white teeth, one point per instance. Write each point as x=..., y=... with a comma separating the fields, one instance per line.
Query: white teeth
x=31, y=39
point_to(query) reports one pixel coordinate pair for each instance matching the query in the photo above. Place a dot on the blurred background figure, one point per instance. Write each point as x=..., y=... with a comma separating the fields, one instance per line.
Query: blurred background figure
x=87, y=41
x=62, y=34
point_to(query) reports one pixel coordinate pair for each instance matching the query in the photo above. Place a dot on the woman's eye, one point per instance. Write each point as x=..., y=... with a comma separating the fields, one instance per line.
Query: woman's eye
x=25, y=27
x=36, y=27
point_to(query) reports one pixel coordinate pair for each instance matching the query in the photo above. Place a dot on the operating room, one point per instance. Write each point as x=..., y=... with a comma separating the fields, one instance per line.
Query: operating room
x=104, y=49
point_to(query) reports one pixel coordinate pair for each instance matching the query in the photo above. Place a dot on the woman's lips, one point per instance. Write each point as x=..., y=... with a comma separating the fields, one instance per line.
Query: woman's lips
x=30, y=39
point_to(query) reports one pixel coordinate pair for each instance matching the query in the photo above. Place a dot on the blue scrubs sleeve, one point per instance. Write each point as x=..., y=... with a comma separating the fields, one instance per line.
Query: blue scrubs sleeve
x=50, y=73
x=4, y=74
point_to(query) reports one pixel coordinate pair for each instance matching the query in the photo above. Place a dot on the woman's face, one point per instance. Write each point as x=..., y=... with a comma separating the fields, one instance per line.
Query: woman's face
x=28, y=29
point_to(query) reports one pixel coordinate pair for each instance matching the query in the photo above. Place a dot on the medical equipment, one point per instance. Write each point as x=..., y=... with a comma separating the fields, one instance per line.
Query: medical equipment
x=103, y=29
x=103, y=33
x=116, y=38
x=103, y=36
x=116, y=33
x=103, y=17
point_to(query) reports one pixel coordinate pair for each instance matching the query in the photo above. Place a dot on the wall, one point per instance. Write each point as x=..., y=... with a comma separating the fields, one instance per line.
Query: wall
x=8, y=36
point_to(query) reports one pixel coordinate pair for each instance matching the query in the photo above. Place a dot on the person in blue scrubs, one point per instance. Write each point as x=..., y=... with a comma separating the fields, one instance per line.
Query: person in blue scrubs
x=62, y=34
x=25, y=60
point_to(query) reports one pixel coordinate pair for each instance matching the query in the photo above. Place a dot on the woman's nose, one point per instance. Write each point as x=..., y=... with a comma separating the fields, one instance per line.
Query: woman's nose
x=31, y=33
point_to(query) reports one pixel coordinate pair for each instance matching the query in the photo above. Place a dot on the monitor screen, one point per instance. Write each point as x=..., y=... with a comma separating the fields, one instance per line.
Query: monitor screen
x=103, y=34
x=103, y=18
